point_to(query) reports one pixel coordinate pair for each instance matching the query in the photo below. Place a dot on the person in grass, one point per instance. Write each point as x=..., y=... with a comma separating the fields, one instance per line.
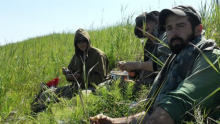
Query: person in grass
x=155, y=51
x=95, y=62
x=93, y=58
x=187, y=77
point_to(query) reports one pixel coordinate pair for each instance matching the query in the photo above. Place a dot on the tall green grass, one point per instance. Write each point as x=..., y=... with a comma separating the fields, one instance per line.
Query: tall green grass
x=210, y=12
x=26, y=64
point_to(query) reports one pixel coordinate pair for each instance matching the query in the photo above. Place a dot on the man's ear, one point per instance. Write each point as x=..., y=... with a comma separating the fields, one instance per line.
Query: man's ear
x=198, y=30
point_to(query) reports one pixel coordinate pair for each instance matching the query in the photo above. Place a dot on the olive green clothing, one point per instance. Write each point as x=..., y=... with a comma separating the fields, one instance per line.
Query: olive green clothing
x=186, y=79
x=96, y=66
x=93, y=59
x=199, y=84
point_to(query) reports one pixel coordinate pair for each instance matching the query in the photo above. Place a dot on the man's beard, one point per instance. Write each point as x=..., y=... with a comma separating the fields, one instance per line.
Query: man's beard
x=177, y=48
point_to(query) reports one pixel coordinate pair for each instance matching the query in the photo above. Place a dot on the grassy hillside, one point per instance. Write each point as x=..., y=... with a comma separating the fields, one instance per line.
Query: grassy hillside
x=26, y=64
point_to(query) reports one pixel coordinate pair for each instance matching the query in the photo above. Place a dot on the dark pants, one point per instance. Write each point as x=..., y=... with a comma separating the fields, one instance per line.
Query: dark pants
x=139, y=83
x=145, y=78
x=51, y=95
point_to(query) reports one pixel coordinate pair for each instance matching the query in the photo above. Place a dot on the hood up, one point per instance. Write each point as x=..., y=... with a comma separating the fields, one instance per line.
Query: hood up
x=80, y=35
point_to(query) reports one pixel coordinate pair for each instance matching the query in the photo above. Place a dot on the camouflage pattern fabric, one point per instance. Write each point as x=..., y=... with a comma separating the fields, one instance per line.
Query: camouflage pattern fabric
x=178, y=68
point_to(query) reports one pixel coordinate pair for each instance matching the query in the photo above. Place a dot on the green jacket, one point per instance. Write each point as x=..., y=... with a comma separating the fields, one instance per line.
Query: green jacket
x=93, y=57
x=187, y=78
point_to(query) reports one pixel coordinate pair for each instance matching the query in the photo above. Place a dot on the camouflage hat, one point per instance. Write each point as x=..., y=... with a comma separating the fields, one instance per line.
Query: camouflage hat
x=180, y=11
x=145, y=17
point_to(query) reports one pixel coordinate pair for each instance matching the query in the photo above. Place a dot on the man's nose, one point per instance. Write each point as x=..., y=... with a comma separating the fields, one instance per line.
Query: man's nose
x=174, y=32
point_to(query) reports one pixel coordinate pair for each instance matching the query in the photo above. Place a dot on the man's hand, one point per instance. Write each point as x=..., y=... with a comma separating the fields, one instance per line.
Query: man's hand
x=133, y=119
x=121, y=65
x=64, y=70
x=101, y=119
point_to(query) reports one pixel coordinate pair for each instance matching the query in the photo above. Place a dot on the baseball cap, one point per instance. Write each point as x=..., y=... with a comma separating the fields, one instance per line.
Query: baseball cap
x=180, y=10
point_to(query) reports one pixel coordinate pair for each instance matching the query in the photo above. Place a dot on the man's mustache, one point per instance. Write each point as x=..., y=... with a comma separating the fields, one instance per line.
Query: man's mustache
x=176, y=38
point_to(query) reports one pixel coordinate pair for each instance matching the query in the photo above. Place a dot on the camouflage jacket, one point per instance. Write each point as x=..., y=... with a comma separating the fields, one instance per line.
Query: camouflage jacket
x=177, y=91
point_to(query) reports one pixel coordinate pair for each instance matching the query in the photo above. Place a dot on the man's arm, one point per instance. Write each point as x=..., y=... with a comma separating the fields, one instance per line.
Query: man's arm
x=159, y=116
x=129, y=66
x=72, y=77
x=134, y=119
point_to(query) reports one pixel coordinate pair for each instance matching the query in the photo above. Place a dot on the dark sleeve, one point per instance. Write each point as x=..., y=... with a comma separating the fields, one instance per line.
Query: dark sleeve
x=162, y=54
x=203, y=80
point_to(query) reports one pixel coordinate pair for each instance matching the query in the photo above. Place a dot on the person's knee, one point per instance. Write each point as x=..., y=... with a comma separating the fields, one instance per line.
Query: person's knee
x=48, y=96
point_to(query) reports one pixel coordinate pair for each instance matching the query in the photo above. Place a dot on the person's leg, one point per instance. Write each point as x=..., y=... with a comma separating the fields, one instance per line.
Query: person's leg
x=66, y=91
x=51, y=96
x=40, y=103
x=141, y=85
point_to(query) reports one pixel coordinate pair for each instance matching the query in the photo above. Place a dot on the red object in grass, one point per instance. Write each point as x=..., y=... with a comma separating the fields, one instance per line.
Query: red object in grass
x=53, y=82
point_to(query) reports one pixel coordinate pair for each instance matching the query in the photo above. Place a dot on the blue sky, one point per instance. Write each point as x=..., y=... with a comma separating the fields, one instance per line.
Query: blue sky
x=23, y=19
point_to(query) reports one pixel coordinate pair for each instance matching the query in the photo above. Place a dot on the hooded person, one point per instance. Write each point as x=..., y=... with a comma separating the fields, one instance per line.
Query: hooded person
x=156, y=49
x=87, y=61
x=93, y=58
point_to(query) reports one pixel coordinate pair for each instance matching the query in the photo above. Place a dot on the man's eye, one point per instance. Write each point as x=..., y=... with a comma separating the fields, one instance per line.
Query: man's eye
x=180, y=26
x=168, y=29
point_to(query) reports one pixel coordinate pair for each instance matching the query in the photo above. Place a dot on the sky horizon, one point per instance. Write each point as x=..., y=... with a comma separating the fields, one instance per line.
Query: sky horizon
x=27, y=19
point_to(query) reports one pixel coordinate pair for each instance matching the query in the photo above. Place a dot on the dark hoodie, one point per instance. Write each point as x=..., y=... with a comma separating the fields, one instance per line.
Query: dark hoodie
x=91, y=57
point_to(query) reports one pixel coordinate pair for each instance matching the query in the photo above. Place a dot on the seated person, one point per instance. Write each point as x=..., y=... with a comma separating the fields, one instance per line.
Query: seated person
x=88, y=65
x=95, y=61
x=155, y=51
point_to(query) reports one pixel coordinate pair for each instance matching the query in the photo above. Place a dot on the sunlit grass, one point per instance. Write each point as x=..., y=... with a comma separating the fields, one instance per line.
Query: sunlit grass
x=26, y=64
